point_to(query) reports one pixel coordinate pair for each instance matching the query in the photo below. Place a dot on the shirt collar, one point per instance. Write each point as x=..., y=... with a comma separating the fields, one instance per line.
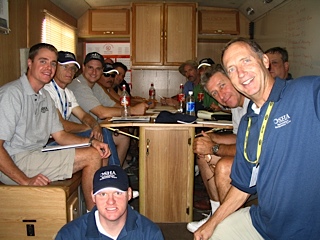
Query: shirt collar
x=275, y=95
x=27, y=87
x=130, y=225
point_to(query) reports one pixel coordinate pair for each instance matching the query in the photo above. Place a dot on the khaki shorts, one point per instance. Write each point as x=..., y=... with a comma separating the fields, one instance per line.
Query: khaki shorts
x=236, y=226
x=56, y=165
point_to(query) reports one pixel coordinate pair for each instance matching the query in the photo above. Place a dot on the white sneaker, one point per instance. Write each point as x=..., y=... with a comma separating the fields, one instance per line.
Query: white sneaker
x=135, y=194
x=196, y=170
x=193, y=226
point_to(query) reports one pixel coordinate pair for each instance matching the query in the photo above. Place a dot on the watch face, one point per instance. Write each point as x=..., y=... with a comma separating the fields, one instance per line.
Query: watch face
x=215, y=149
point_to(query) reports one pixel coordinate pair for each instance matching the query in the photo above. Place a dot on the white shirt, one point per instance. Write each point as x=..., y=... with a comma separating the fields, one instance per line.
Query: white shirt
x=237, y=114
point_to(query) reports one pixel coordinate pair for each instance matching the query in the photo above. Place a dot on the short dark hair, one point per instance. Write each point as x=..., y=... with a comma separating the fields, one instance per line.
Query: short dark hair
x=121, y=65
x=35, y=49
x=283, y=52
x=209, y=72
x=255, y=47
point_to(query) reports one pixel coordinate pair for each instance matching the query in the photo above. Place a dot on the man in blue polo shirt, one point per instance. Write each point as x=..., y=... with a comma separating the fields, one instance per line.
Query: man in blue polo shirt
x=277, y=154
x=112, y=218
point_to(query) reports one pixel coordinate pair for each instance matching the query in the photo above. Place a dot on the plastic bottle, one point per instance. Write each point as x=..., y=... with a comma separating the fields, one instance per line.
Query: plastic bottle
x=181, y=98
x=152, y=92
x=190, y=104
x=125, y=102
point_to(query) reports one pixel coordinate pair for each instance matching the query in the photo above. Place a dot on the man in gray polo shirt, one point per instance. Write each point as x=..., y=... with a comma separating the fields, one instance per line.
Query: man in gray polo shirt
x=28, y=117
x=92, y=98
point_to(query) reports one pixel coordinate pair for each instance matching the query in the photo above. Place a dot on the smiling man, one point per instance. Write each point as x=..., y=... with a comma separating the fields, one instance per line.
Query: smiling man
x=28, y=117
x=277, y=155
x=112, y=218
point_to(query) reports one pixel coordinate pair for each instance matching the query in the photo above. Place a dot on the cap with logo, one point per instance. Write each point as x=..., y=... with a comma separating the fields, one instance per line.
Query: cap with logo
x=66, y=58
x=111, y=176
x=205, y=62
x=108, y=68
x=93, y=56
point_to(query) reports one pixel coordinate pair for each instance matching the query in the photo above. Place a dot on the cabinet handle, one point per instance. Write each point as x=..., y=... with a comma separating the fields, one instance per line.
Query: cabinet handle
x=108, y=32
x=161, y=35
x=148, y=142
x=219, y=31
x=165, y=35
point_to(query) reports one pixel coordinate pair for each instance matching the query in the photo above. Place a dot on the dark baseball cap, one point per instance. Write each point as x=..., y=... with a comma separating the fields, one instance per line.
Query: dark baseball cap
x=94, y=56
x=111, y=176
x=66, y=58
x=205, y=62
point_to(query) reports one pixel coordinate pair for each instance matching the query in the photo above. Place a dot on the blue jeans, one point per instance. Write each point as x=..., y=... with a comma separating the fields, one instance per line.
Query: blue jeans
x=107, y=138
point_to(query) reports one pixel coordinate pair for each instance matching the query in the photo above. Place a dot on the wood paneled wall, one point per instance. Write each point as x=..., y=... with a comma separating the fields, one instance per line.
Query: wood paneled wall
x=25, y=20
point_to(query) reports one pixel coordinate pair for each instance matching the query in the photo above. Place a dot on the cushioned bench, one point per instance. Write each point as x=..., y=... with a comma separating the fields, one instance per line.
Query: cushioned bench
x=39, y=211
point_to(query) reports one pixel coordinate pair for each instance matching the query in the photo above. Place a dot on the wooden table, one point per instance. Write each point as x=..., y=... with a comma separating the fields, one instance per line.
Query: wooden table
x=166, y=169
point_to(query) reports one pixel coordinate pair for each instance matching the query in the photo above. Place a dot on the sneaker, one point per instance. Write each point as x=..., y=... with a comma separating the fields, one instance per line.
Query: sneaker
x=135, y=194
x=196, y=170
x=193, y=226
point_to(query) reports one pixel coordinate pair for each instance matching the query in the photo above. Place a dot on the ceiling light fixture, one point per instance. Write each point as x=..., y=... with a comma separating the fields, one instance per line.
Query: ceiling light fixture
x=250, y=11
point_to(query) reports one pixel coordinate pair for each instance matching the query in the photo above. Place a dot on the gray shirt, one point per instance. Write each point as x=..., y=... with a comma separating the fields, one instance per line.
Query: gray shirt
x=88, y=98
x=27, y=118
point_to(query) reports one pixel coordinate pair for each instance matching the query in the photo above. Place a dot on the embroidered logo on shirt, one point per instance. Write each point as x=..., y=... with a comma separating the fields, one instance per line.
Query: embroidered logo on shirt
x=44, y=109
x=282, y=121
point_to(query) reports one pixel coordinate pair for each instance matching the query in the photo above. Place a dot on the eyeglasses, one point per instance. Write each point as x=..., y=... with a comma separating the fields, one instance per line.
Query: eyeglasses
x=109, y=75
x=66, y=67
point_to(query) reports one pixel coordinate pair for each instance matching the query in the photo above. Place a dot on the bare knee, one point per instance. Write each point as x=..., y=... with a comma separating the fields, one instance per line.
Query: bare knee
x=223, y=167
x=87, y=157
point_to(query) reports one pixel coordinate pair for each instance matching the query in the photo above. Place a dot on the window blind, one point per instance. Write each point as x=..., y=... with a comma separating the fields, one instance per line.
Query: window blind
x=58, y=33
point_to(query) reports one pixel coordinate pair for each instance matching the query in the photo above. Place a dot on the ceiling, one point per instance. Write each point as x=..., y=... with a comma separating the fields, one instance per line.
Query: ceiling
x=78, y=7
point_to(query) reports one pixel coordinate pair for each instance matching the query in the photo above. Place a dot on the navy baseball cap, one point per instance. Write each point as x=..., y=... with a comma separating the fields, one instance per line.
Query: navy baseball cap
x=66, y=58
x=112, y=176
x=205, y=62
x=108, y=68
x=93, y=56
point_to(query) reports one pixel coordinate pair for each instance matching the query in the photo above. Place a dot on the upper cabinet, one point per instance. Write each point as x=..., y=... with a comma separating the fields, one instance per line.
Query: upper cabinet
x=219, y=22
x=105, y=23
x=163, y=34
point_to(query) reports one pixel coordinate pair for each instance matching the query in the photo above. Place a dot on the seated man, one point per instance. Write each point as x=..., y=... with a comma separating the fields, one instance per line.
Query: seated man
x=112, y=218
x=67, y=104
x=215, y=151
x=190, y=70
x=279, y=63
x=93, y=99
x=28, y=117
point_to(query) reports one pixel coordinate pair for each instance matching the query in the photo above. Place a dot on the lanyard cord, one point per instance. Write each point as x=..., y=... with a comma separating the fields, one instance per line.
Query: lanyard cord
x=261, y=135
x=65, y=108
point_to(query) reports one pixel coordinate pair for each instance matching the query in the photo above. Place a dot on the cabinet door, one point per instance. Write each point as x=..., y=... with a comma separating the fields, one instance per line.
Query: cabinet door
x=166, y=173
x=147, y=34
x=219, y=22
x=109, y=22
x=180, y=33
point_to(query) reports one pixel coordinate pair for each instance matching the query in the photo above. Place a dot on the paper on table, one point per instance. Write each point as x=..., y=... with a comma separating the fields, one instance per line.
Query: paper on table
x=131, y=119
x=218, y=123
x=59, y=147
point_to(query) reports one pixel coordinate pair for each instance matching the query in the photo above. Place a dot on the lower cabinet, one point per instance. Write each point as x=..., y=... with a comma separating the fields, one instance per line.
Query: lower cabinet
x=166, y=172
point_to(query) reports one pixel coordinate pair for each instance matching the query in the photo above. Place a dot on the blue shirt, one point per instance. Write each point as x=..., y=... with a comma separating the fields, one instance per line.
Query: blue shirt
x=137, y=227
x=288, y=178
x=188, y=86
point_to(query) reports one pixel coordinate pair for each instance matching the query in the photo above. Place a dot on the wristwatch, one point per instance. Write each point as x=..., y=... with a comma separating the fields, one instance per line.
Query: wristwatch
x=215, y=149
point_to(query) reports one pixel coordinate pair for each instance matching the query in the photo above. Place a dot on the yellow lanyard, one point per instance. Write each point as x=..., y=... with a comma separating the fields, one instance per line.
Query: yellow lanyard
x=261, y=135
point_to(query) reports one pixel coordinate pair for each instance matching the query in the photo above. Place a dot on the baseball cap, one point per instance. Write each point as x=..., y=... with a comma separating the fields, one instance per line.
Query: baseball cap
x=205, y=62
x=108, y=68
x=111, y=176
x=192, y=63
x=66, y=58
x=93, y=56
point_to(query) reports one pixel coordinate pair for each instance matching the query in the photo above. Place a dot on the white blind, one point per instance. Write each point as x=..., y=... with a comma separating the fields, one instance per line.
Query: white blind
x=58, y=33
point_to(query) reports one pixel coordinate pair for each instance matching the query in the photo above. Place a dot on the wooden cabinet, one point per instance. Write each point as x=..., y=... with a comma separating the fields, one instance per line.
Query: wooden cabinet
x=105, y=22
x=163, y=33
x=166, y=172
x=219, y=22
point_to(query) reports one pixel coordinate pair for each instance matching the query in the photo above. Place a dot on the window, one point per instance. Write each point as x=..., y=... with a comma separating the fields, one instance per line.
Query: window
x=58, y=33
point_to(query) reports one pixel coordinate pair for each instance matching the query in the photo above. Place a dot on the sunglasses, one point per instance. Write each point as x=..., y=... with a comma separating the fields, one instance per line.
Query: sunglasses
x=109, y=75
